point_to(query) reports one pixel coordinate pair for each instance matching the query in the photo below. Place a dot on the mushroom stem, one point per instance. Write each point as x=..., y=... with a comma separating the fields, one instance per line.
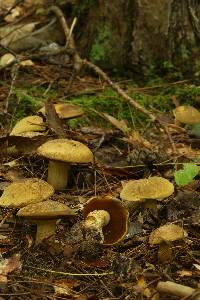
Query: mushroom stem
x=58, y=174
x=96, y=220
x=45, y=229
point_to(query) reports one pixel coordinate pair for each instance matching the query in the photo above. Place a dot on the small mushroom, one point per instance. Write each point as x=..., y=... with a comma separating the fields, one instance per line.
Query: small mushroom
x=45, y=214
x=144, y=189
x=23, y=192
x=61, y=154
x=27, y=124
x=163, y=236
x=66, y=110
x=168, y=233
x=187, y=115
x=107, y=217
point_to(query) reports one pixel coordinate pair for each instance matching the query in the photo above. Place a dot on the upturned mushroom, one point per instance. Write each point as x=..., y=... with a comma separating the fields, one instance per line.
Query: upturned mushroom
x=61, y=154
x=23, y=192
x=149, y=190
x=187, y=115
x=28, y=124
x=45, y=215
x=106, y=218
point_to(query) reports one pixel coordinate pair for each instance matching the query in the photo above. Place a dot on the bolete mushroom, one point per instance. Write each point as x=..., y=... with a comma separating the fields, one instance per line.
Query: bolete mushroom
x=186, y=115
x=23, y=192
x=45, y=215
x=66, y=110
x=61, y=154
x=27, y=124
x=163, y=236
x=107, y=217
x=147, y=190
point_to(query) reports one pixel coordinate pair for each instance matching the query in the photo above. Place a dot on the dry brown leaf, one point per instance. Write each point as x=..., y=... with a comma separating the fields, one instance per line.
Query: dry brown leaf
x=9, y=265
x=53, y=120
x=119, y=124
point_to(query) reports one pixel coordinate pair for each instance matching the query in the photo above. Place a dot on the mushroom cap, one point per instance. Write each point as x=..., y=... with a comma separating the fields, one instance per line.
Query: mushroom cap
x=45, y=210
x=168, y=233
x=23, y=192
x=6, y=59
x=118, y=225
x=152, y=188
x=30, y=123
x=66, y=110
x=66, y=150
x=30, y=134
x=187, y=115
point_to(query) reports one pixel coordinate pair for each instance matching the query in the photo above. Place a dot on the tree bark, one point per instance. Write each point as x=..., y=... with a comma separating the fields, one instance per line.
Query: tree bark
x=140, y=35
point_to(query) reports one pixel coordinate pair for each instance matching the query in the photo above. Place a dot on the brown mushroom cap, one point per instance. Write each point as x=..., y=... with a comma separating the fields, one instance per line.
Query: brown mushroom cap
x=151, y=188
x=118, y=224
x=168, y=233
x=23, y=192
x=45, y=210
x=27, y=124
x=66, y=150
x=66, y=110
x=187, y=115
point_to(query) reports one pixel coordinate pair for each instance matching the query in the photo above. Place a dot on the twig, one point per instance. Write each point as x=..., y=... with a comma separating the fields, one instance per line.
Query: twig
x=71, y=274
x=176, y=289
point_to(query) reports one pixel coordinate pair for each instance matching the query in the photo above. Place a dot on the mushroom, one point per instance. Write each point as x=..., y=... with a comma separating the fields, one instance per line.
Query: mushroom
x=66, y=110
x=107, y=218
x=23, y=192
x=45, y=214
x=61, y=154
x=147, y=190
x=187, y=115
x=163, y=236
x=27, y=124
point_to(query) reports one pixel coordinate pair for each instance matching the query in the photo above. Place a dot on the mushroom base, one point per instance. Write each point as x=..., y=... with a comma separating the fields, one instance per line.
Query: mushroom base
x=58, y=174
x=45, y=229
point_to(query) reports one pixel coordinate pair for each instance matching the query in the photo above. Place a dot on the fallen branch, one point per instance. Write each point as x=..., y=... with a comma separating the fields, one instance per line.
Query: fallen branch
x=179, y=290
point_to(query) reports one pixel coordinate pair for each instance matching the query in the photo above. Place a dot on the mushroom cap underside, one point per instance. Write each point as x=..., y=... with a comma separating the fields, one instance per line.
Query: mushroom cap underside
x=118, y=224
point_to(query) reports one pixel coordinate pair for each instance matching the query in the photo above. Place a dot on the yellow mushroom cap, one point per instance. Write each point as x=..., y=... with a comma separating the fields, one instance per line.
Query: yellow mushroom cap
x=152, y=188
x=23, y=192
x=187, y=115
x=66, y=150
x=27, y=124
x=66, y=110
x=6, y=59
x=168, y=233
x=45, y=210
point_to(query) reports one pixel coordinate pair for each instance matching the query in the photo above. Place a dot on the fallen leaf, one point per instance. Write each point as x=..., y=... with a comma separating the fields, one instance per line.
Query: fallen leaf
x=9, y=265
x=53, y=120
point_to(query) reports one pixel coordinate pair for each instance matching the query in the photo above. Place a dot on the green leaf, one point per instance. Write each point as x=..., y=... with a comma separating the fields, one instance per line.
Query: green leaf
x=187, y=174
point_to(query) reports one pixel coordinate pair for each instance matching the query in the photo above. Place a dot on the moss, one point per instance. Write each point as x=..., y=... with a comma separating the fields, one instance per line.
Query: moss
x=101, y=45
x=26, y=101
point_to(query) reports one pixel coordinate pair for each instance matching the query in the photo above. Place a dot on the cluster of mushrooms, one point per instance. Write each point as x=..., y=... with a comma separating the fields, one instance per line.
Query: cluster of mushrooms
x=107, y=216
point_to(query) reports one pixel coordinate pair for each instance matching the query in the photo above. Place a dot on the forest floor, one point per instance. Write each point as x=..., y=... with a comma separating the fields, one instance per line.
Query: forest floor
x=67, y=265
x=128, y=144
